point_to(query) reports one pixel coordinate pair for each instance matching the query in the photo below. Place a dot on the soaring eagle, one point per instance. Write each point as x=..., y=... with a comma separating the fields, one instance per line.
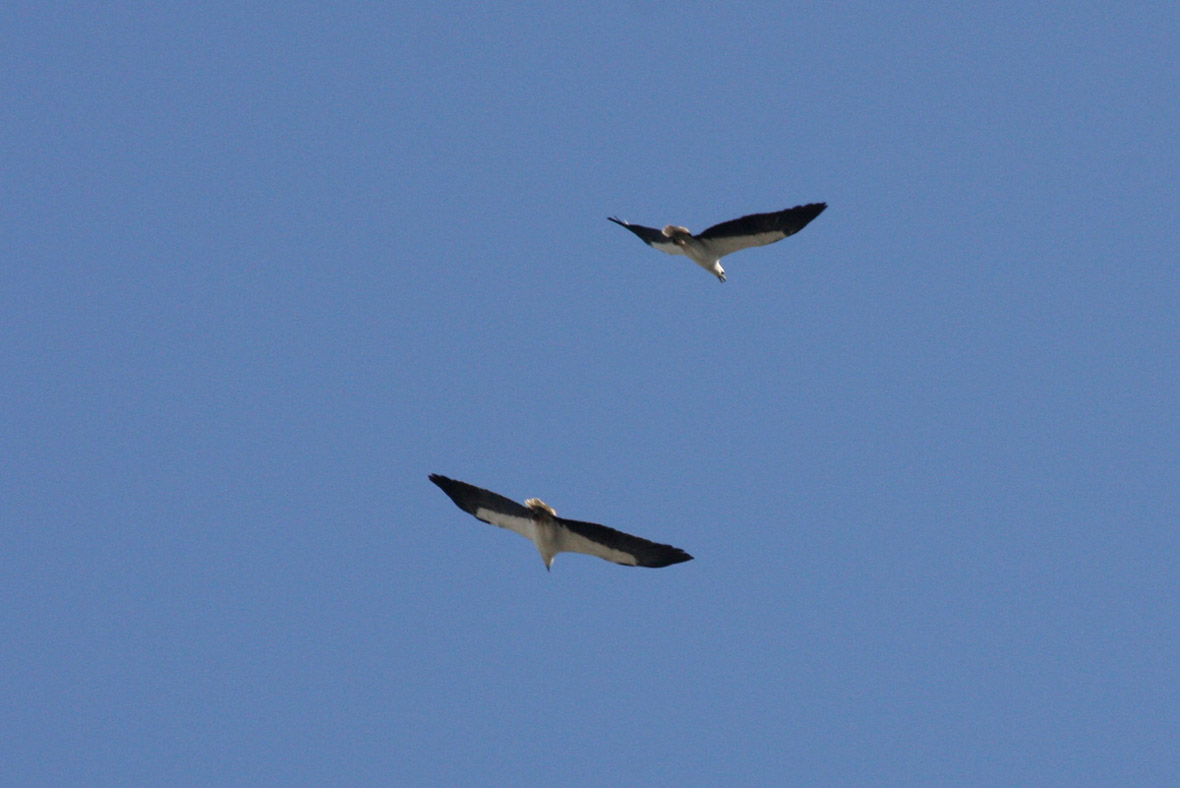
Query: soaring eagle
x=707, y=248
x=552, y=534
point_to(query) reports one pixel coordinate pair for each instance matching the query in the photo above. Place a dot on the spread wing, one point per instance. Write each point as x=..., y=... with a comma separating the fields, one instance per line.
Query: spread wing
x=487, y=506
x=651, y=236
x=616, y=546
x=758, y=229
x=572, y=536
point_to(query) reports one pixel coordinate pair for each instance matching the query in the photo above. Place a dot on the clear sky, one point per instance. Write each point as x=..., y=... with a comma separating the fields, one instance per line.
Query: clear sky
x=266, y=267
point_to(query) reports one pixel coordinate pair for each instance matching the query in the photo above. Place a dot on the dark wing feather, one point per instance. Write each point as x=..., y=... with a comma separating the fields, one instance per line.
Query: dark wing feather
x=651, y=236
x=787, y=222
x=604, y=542
x=471, y=499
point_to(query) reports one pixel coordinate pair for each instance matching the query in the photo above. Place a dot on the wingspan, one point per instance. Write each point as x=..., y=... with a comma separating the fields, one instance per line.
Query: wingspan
x=554, y=535
x=758, y=229
x=651, y=236
x=487, y=506
x=621, y=548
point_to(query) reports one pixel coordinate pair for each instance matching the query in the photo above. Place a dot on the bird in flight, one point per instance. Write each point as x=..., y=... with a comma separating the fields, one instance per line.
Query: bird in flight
x=707, y=248
x=552, y=534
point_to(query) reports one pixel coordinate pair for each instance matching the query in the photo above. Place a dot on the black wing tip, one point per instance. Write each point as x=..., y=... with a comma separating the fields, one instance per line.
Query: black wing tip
x=649, y=235
x=803, y=213
x=795, y=219
x=446, y=484
x=673, y=555
x=459, y=492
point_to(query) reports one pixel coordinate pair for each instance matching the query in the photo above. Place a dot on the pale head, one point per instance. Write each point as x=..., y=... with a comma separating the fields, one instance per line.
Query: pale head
x=537, y=505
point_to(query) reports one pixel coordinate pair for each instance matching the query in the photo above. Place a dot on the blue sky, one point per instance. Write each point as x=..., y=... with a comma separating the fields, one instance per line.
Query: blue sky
x=268, y=267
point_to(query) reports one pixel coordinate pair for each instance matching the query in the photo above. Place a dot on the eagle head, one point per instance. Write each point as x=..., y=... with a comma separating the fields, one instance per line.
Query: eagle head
x=677, y=234
x=537, y=505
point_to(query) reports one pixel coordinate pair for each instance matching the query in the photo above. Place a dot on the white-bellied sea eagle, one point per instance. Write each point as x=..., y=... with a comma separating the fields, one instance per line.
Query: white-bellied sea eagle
x=707, y=248
x=552, y=534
